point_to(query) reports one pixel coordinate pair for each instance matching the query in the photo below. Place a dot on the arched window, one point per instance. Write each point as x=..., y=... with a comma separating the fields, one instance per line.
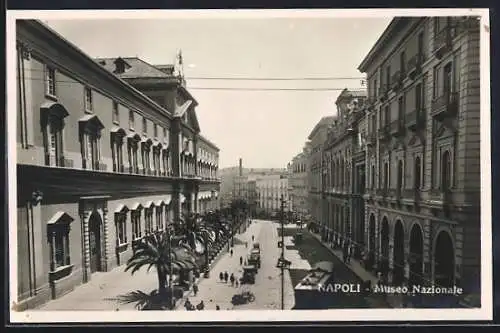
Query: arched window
x=417, y=171
x=133, y=151
x=446, y=171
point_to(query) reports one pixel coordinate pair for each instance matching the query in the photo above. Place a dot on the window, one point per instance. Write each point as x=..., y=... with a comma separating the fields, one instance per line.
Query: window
x=136, y=224
x=420, y=45
x=133, y=150
x=88, y=99
x=375, y=88
x=447, y=79
x=400, y=108
x=91, y=150
x=400, y=175
x=54, y=141
x=165, y=162
x=159, y=218
x=387, y=77
x=155, y=131
x=50, y=81
x=165, y=134
x=156, y=160
x=116, y=114
x=446, y=171
x=144, y=125
x=117, y=150
x=146, y=159
x=373, y=176
x=387, y=115
x=59, y=242
x=417, y=172
x=402, y=62
x=386, y=176
x=418, y=97
x=149, y=220
x=121, y=228
x=131, y=120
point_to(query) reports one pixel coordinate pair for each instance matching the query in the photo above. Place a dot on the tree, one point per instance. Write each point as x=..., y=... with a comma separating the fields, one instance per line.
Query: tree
x=155, y=250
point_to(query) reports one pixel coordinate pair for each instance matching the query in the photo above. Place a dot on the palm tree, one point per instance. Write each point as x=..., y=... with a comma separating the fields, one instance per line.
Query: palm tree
x=156, y=250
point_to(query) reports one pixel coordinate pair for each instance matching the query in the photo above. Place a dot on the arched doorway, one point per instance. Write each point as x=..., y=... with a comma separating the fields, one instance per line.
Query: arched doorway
x=444, y=260
x=399, y=253
x=416, y=255
x=95, y=247
x=384, y=239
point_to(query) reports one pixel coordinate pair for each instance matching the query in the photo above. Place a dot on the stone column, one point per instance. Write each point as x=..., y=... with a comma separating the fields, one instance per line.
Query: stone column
x=105, y=246
x=85, y=216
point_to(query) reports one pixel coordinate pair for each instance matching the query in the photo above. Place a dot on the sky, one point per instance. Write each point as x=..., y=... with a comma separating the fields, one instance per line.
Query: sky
x=265, y=128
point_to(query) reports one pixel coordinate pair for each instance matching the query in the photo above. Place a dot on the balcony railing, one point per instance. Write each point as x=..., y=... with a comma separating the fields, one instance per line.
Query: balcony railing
x=445, y=106
x=383, y=132
x=396, y=80
x=414, y=65
x=415, y=120
x=442, y=41
x=397, y=127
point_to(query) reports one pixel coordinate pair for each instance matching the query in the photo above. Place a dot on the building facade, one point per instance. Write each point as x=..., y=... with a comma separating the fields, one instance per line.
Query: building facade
x=102, y=159
x=422, y=221
x=343, y=173
x=299, y=192
x=317, y=138
x=270, y=190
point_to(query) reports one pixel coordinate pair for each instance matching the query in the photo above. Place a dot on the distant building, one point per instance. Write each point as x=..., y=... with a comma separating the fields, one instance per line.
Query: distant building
x=270, y=189
x=297, y=183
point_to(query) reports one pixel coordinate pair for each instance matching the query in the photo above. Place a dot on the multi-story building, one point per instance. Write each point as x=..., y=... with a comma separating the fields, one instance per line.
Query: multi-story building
x=317, y=138
x=298, y=183
x=270, y=189
x=102, y=160
x=343, y=172
x=423, y=183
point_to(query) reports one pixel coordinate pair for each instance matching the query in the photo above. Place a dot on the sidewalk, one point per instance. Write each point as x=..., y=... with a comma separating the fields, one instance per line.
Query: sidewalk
x=355, y=266
x=211, y=290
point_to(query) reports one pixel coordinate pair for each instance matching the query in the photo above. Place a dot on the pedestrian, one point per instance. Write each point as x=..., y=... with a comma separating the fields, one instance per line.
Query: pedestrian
x=226, y=276
x=200, y=305
x=236, y=282
x=195, y=289
x=221, y=277
x=253, y=238
x=348, y=253
x=217, y=307
x=232, y=279
x=246, y=245
x=241, y=260
x=231, y=252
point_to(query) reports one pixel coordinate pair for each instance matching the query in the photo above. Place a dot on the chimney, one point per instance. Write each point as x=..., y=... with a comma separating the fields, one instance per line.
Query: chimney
x=241, y=167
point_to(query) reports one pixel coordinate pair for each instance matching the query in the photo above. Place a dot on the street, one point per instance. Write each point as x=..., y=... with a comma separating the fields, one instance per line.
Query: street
x=267, y=287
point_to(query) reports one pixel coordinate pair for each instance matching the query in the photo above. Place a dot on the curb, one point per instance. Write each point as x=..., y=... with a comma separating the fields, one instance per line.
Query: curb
x=346, y=265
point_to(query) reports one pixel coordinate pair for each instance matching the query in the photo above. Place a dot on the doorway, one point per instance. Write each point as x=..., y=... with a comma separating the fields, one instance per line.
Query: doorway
x=95, y=248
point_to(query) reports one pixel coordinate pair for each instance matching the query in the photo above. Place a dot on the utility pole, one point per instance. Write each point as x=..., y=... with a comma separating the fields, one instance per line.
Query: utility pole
x=282, y=253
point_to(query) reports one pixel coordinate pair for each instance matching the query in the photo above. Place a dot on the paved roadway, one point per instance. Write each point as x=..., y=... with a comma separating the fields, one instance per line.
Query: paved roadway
x=267, y=287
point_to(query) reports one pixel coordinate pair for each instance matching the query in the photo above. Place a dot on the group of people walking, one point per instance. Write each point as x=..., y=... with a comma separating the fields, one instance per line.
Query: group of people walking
x=225, y=277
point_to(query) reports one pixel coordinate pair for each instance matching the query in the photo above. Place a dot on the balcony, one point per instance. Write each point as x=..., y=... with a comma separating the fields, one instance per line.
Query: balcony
x=414, y=66
x=397, y=128
x=396, y=81
x=383, y=133
x=445, y=106
x=442, y=42
x=415, y=120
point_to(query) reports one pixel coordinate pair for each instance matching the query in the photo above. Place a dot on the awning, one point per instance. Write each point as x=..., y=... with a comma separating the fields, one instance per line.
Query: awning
x=55, y=109
x=121, y=209
x=60, y=218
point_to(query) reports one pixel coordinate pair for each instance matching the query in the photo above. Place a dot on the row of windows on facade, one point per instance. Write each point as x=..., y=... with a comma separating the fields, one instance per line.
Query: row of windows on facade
x=444, y=86
x=298, y=168
x=156, y=159
x=155, y=219
x=51, y=91
x=387, y=75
